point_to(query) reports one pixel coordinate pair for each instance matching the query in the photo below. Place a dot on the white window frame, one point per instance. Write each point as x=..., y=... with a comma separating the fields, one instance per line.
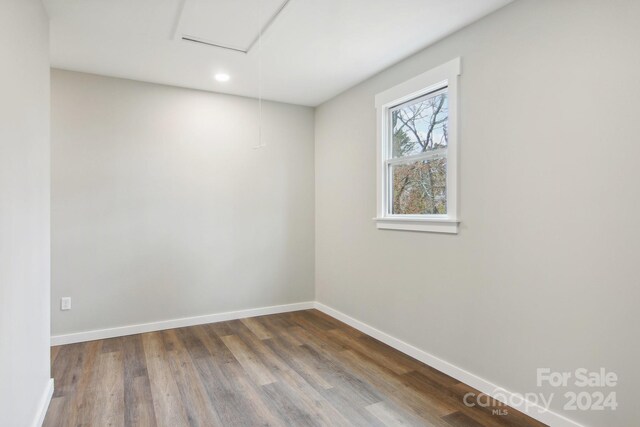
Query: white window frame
x=433, y=80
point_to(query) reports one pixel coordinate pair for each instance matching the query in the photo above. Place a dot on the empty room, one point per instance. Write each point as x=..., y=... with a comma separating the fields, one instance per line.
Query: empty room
x=319, y=213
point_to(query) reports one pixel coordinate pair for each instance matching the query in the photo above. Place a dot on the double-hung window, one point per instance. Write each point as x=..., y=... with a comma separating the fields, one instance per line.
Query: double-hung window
x=417, y=152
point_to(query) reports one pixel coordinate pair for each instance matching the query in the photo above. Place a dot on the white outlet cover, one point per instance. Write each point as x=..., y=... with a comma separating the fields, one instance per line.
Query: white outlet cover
x=65, y=303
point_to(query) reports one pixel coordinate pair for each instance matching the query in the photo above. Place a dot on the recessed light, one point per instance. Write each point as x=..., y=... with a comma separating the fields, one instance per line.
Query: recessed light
x=222, y=77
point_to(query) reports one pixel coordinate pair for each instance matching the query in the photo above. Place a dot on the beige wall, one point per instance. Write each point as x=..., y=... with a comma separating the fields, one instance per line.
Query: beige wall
x=544, y=271
x=24, y=211
x=162, y=210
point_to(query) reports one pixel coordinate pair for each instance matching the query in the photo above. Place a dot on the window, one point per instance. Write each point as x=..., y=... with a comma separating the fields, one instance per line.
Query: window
x=417, y=152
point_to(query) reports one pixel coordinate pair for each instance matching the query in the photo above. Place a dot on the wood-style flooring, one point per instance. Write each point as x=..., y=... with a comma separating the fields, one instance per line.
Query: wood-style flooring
x=294, y=369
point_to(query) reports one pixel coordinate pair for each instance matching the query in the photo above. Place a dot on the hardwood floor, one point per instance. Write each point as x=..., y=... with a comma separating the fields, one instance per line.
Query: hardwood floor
x=294, y=369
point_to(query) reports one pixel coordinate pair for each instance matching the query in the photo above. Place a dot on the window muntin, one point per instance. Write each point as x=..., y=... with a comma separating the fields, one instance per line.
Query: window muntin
x=417, y=163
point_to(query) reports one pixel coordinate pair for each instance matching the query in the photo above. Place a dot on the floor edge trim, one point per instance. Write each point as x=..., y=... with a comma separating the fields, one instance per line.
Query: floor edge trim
x=121, y=331
x=43, y=404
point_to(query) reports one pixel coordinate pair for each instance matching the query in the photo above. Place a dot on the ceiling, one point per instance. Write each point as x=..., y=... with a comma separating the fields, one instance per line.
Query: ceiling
x=310, y=51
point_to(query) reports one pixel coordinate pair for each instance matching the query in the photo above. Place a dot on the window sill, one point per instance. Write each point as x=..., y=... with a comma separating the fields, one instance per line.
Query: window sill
x=430, y=225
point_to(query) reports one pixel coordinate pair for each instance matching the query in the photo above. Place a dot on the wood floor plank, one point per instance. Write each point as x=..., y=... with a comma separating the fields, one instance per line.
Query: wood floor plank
x=386, y=382
x=108, y=409
x=288, y=406
x=222, y=329
x=458, y=419
x=276, y=322
x=57, y=412
x=292, y=369
x=428, y=409
x=212, y=346
x=72, y=383
x=139, y=409
x=318, y=337
x=357, y=414
x=112, y=344
x=312, y=317
x=300, y=389
x=334, y=323
x=390, y=417
x=249, y=361
x=436, y=376
x=195, y=399
x=423, y=384
x=257, y=328
x=301, y=361
x=438, y=385
x=68, y=368
x=233, y=393
x=230, y=397
x=135, y=364
x=165, y=394
x=87, y=387
x=279, y=327
x=392, y=361
x=227, y=383
x=54, y=353
x=138, y=399
x=347, y=394
x=380, y=378
x=346, y=380
x=506, y=416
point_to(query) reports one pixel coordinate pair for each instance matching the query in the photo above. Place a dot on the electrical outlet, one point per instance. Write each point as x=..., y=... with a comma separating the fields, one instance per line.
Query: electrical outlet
x=65, y=303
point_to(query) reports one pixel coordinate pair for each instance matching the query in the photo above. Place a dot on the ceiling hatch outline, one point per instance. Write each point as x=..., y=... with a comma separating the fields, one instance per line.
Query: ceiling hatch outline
x=179, y=33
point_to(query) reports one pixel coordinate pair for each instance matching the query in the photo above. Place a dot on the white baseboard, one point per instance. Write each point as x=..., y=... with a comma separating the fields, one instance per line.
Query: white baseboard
x=534, y=411
x=545, y=416
x=43, y=405
x=175, y=323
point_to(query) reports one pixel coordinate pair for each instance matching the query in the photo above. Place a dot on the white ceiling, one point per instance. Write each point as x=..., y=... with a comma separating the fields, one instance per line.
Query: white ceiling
x=311, y=51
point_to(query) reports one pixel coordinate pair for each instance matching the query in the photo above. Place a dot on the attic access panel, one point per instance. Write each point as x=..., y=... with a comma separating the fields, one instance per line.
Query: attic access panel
x=227, y=24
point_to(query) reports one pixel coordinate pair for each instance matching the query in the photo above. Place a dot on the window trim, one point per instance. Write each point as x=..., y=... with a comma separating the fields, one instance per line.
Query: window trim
x=445, y=75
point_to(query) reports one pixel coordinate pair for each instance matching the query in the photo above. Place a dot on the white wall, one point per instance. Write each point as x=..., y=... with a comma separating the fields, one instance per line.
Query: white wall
x=544, y=272
x=161, y=209
x=24, y=211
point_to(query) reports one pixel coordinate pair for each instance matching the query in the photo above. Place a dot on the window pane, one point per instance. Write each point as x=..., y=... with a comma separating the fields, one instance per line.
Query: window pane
x=420, y=125
x=420, y=188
